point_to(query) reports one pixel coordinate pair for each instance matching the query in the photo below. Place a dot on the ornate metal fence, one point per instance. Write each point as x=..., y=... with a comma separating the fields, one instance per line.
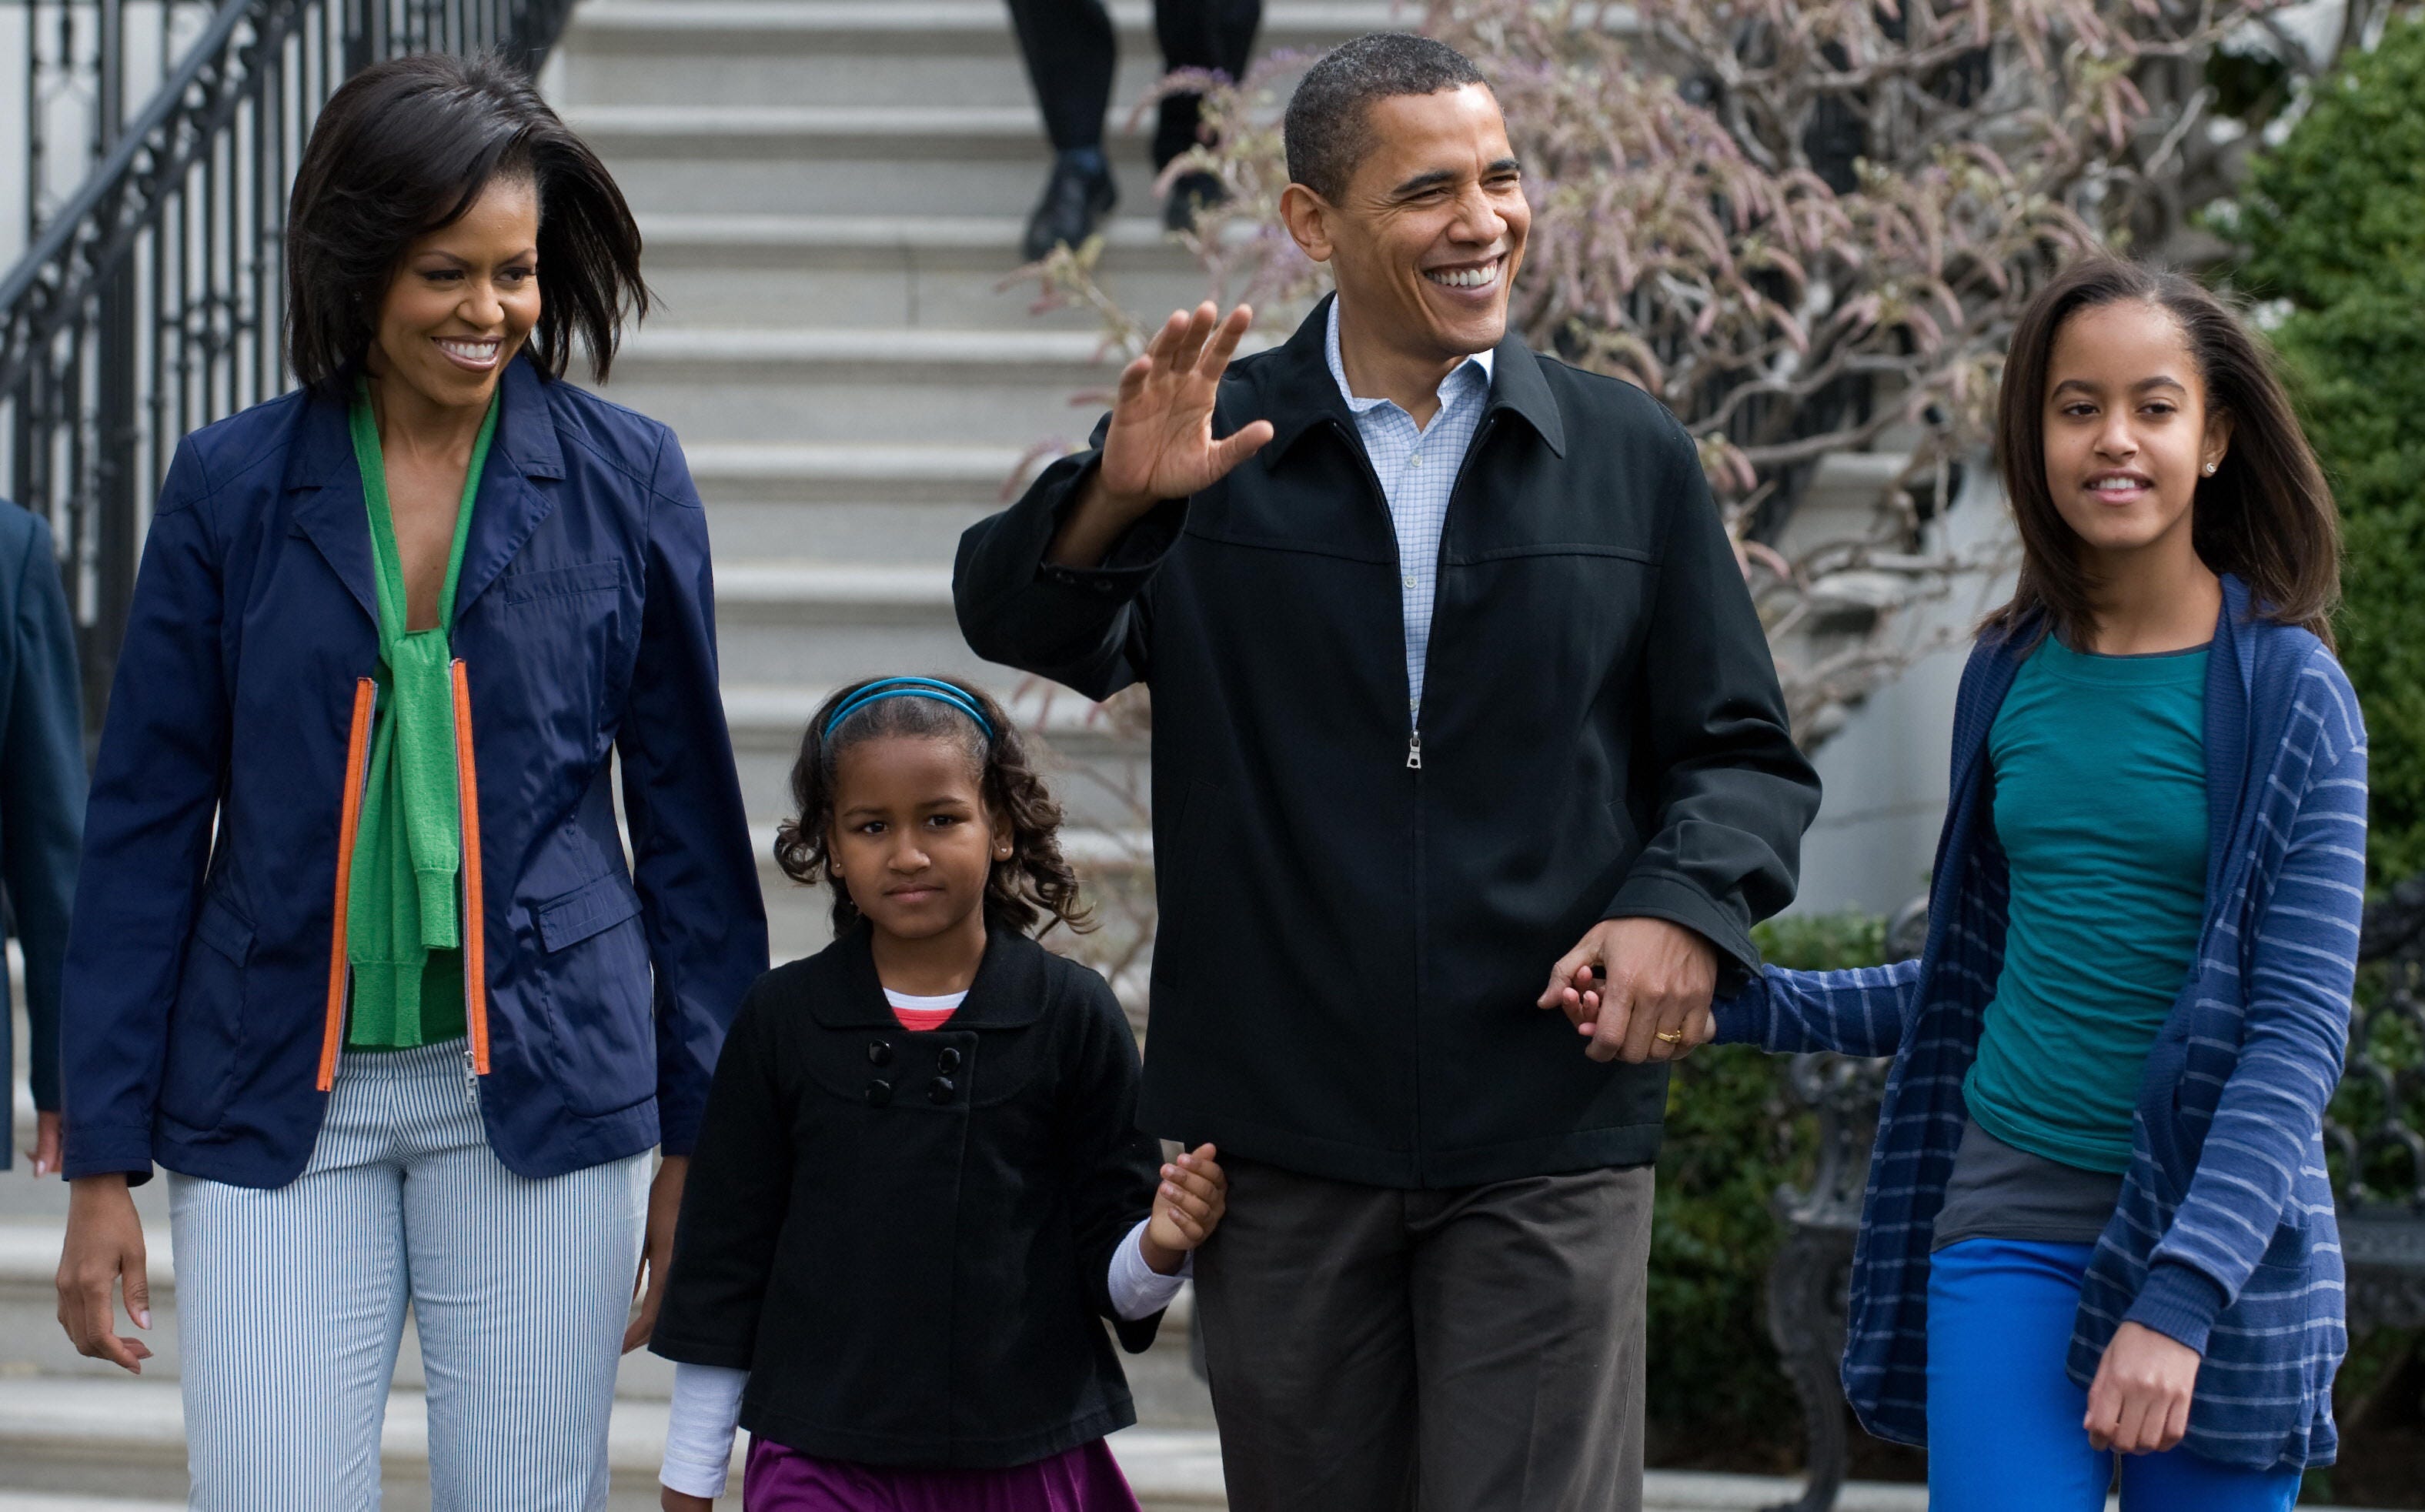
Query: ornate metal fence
x=147, y=300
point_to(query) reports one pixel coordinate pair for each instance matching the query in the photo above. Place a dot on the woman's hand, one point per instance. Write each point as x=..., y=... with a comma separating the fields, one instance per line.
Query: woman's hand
x=105, y=1244
x=1187, y=1207
x=673, y=1501
x=2140, y=1402
x=657, y=1254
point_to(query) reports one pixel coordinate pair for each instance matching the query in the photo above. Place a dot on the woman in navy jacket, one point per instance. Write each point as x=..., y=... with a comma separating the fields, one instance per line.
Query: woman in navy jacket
x=448, y=239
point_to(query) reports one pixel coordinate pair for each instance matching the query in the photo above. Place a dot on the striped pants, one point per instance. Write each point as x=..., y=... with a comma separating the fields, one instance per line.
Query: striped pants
x=290, y=1306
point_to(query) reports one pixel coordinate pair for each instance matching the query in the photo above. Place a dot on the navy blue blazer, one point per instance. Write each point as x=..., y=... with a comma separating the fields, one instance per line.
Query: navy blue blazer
x=206, y=977
x=42, y=788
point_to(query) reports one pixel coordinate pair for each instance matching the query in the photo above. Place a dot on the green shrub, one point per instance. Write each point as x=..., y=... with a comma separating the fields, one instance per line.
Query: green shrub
x=2339, y=209
x=2334, y=224
x=2360, y=363
x=1716, y=1389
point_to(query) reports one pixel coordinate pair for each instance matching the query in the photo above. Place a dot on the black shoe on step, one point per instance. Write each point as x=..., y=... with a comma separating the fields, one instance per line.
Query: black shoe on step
x=1076, y=197
x=1191, y=195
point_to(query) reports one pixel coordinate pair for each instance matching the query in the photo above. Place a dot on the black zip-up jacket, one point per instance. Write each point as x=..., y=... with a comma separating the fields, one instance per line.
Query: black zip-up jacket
x=906, y=1238
x=1357, y=917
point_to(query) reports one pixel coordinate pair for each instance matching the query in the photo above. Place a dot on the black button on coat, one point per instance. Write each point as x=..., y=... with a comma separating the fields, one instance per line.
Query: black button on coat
x=919, y=1279
x=1351, y=944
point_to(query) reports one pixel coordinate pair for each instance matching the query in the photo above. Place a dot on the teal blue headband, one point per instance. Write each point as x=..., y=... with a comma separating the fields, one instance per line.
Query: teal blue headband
x=908, y=687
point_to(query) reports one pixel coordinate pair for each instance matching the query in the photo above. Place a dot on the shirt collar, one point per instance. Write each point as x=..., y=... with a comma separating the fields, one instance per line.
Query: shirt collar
x=1474, y=372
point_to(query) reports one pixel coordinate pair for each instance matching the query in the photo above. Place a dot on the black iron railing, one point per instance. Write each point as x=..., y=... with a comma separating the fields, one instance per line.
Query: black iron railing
x=148, y=300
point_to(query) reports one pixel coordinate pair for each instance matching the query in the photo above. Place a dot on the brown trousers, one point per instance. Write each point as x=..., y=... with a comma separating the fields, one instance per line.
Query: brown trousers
x=1477, y=1349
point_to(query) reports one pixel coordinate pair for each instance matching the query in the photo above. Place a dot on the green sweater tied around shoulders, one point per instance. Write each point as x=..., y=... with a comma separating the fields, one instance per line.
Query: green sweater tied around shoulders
x=404, y=928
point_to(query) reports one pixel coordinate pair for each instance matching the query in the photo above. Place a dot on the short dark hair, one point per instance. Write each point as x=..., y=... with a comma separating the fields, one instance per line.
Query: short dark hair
x=2267, y=513
x=1037, y=883
x=407, y=146
x=1325, y=130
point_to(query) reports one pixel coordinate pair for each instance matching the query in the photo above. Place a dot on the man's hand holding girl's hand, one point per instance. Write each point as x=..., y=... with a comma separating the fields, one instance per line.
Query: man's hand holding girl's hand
x=1649, y=1000
x=1187, y=1207
x=2139, y=1403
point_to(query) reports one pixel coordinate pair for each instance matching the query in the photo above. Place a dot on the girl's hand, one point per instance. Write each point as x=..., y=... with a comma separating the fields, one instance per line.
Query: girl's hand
x=2140, y=1402
x=1187, y=1207
x=673, y=1501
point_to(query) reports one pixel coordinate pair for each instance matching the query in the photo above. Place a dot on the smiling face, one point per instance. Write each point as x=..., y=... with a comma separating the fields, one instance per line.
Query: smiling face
x=2128, y=433
x=463, y=300
x=1429, y=230
x=911, y=834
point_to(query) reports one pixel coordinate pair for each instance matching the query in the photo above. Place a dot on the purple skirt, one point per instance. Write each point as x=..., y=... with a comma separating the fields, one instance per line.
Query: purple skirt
x=1085, y=1479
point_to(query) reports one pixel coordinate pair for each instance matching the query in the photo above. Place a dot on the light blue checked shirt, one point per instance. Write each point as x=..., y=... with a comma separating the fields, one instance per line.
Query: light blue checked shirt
x=1417, y=466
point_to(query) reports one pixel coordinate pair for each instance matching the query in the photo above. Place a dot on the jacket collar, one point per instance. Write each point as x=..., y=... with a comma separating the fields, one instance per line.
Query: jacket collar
x=1300, y=394
x=506, y=509
x=1008, y=991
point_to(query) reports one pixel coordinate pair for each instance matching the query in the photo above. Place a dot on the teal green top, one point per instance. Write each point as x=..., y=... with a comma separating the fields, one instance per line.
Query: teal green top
x=403, y=929
x=2100, y=806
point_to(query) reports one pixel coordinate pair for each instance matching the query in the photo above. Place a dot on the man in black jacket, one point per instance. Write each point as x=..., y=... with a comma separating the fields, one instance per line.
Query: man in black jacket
x=1570, y=766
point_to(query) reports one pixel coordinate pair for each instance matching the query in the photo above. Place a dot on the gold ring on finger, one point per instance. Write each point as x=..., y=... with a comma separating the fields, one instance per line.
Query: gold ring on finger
x=1672, y=1037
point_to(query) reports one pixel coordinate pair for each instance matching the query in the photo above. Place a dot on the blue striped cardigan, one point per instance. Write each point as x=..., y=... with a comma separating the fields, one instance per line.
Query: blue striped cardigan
x=2225, y=1237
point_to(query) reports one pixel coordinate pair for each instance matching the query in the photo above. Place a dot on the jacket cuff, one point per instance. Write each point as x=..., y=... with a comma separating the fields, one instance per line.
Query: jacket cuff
x=1742, y=1015
x=107, y=1152
x=678, y=1132
x=2178, y=1302
x=1132, y=559
x=1653, y=896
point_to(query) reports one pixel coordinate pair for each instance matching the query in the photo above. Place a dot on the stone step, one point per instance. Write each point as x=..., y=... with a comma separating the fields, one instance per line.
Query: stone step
x=819, y=624
x=887, y=506
x=142, y=1422
x=814, y=159
x=993, y=388
x=928, y=270
x=874, y=52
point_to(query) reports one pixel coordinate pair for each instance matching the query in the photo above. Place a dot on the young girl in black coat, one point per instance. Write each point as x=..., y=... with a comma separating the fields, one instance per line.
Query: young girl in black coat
x=920, y=1187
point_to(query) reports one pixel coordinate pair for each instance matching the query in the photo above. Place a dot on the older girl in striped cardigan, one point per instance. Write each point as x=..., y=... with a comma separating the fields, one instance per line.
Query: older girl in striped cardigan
x=2099, y=1219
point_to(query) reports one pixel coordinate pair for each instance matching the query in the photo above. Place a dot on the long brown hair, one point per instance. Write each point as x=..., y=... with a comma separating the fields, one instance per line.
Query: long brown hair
x=1035, y=883
x=2265, y=515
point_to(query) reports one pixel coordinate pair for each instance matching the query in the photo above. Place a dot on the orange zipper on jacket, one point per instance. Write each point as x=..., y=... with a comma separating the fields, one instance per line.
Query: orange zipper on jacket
x=467, y=796
x=358, y=752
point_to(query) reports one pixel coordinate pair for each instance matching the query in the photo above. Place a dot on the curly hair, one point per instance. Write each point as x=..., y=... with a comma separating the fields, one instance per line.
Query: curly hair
x=1037, y=883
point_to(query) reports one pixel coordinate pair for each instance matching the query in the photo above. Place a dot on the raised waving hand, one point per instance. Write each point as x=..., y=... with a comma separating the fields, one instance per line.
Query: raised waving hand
x=1160, y=445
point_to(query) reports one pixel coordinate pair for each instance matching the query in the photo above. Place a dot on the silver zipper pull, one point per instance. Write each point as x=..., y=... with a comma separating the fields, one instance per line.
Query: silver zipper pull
x=470, y=1081
x=1415, y=752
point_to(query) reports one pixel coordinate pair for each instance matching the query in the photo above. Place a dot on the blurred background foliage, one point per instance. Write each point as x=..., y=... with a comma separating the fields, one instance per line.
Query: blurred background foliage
x=2332, y=232
x=1717, y=1395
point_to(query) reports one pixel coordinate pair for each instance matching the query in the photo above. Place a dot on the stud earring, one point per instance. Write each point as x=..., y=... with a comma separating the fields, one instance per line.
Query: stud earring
x=2210, y=468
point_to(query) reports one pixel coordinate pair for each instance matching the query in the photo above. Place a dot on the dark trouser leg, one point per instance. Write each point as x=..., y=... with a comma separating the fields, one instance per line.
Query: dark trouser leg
x=1308, y=1340
x=1529, y=1303
x=1204, y=34
x=1071, y=52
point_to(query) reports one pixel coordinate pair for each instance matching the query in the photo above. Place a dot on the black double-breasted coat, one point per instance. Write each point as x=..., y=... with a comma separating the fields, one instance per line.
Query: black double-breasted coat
x=906, y=1238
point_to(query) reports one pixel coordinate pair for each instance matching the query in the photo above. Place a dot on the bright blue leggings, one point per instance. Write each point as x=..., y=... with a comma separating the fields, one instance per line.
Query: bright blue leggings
x=2004, y=1430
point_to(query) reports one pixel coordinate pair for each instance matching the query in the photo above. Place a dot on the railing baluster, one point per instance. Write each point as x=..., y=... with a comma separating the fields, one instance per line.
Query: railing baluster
x=148, y=300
